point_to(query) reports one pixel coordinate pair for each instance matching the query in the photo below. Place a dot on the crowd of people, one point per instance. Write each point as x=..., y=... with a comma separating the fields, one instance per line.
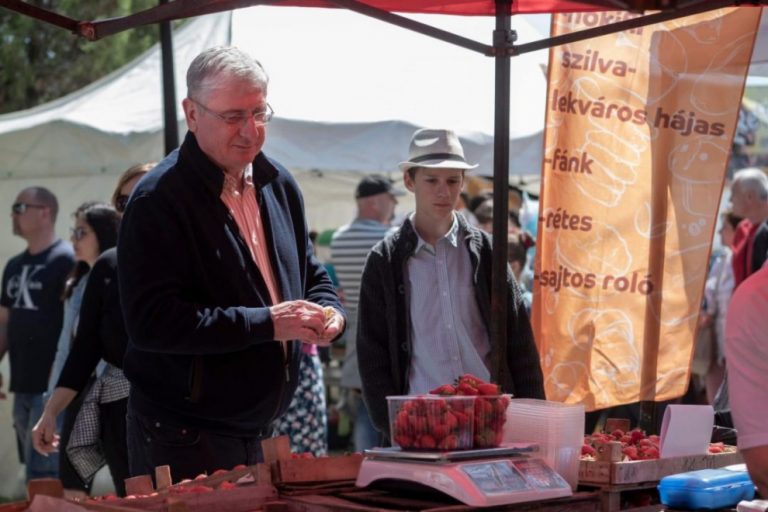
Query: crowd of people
x=183, y=323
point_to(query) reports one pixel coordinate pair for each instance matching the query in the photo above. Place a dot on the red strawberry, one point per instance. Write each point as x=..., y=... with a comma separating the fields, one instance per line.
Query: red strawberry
x=487, y=389
x=587, y=450
x=617, y=434
x=444, y=390
x=427, y=442
x=649, y=453
x=466, y=389
x=637, y=435
x=449, y=443
x=439, y=431
x=404, y=441
x=451, y=421
x=470, y=379
x=226, y=485
x=631, y=452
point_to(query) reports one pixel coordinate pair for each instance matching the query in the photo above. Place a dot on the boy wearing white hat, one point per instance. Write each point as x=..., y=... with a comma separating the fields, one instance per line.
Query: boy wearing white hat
x=424, y=310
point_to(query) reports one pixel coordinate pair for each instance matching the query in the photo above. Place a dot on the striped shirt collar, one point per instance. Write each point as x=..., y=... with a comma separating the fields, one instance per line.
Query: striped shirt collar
x=232, y=184
x=452, y=236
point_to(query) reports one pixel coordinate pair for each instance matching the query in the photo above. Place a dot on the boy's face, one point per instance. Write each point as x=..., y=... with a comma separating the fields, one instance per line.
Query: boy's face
x=436, y=190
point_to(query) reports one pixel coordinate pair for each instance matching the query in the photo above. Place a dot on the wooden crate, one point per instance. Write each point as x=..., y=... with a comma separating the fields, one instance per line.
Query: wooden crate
x=344, y=467
x=637, y=471
x=286, y=469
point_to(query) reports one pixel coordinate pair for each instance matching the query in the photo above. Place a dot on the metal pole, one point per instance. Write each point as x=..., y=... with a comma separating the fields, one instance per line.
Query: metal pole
x=170, y=120
x=503, y=37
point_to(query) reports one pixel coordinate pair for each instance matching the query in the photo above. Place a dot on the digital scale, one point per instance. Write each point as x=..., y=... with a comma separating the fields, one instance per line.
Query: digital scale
x=479, y=478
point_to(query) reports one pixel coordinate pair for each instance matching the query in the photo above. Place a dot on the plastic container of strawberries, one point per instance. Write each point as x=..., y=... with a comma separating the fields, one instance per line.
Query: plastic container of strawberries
x=490, y=417
x=430, y=422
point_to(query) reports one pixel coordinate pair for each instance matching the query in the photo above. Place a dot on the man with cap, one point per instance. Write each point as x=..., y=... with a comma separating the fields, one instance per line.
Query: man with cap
x=425, y=298
x=376, y=200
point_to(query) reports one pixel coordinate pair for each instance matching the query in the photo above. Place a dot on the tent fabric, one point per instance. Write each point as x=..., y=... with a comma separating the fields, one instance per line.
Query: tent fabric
x=340, y=106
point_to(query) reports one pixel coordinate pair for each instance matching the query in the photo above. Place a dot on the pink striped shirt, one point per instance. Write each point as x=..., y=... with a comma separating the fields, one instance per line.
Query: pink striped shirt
x=240, y=198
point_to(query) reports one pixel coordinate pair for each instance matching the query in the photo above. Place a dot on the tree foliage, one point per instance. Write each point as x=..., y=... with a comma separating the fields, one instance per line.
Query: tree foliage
x=40, y=62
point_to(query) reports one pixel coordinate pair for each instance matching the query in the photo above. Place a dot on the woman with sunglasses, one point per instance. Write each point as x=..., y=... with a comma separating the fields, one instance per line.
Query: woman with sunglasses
x=99, y=432
x=95, y=231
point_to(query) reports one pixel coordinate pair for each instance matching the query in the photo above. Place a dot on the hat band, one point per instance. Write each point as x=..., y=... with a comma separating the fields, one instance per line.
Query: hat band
x=438, y=156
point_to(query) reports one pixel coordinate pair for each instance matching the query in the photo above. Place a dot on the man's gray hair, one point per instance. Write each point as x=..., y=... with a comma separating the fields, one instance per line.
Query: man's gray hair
x=222, y=62
x=754, y=180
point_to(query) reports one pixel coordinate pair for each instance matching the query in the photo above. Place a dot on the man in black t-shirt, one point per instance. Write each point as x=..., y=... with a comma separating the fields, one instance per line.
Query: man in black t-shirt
x=31, y=314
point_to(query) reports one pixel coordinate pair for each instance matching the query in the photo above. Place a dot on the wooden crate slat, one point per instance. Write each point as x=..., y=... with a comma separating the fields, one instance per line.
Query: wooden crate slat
x=345, y=467
x=651, y=470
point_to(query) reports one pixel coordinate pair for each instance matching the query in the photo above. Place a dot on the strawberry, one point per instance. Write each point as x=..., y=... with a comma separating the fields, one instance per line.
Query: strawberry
x=487, y=389
x=587, y=450
x=451, y=421
x=449, y=443
x=470, y=379
x=427, y=442
x=637, y=435
x=439, y=431
x=224, y=486
x=617, y=434
x=466, y=389
x=444, y=390
x=404, y=441
x=630, y=452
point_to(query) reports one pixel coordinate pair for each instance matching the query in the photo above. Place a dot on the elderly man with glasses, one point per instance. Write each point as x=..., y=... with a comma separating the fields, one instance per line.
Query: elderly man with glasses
x=31, y=314
x=218, y=282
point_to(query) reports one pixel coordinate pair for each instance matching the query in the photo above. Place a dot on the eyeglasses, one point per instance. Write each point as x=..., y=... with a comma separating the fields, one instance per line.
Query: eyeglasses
x=78, y=233
x=240, y=117
x=121, y=202
x=20, y=208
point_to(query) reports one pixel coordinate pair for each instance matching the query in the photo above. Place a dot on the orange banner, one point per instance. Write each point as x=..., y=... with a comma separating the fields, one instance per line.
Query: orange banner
x=639, y=128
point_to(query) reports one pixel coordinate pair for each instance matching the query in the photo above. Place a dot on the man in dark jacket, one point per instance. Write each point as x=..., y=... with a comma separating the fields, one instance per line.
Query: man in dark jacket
x=424, y=310
x=218, y=282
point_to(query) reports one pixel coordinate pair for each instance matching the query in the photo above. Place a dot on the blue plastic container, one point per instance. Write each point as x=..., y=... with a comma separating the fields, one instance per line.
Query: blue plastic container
x=706, y=489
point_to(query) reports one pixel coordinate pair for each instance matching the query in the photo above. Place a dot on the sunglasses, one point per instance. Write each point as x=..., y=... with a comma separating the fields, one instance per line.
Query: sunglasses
x=19, y=208
x=121, y=202
x=78, y=233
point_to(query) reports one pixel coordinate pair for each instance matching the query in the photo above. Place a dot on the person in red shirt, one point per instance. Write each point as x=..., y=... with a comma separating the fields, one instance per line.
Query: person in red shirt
x=749, y=199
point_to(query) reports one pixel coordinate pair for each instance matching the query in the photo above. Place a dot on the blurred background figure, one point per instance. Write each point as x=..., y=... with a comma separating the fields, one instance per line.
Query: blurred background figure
x=99, y=433
x=31, y=316
x=95, y=229
x=717, y=295
x=376, y=199
x=517, y=247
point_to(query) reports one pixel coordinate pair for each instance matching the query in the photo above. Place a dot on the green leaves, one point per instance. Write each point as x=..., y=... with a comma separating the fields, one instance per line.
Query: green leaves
x=40, y=62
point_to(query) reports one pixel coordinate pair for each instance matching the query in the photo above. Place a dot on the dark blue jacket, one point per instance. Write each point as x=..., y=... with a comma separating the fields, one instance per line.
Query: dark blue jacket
x=201, y=349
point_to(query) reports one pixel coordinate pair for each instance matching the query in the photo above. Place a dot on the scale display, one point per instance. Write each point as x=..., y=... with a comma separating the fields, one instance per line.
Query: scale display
x=485, y=479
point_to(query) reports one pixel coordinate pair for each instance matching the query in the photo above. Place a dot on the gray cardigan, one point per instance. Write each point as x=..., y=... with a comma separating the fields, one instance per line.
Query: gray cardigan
x=383, y=333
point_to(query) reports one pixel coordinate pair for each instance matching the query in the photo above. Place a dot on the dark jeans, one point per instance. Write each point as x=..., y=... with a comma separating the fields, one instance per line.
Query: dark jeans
x=114, y=441
x=188, y=450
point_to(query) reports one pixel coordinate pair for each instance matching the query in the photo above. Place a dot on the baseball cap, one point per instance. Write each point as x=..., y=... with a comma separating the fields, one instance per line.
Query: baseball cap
x=374, y=185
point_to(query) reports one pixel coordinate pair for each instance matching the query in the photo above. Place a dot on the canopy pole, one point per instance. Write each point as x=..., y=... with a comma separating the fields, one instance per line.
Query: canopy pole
x=503, y=39
x=170, y=119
